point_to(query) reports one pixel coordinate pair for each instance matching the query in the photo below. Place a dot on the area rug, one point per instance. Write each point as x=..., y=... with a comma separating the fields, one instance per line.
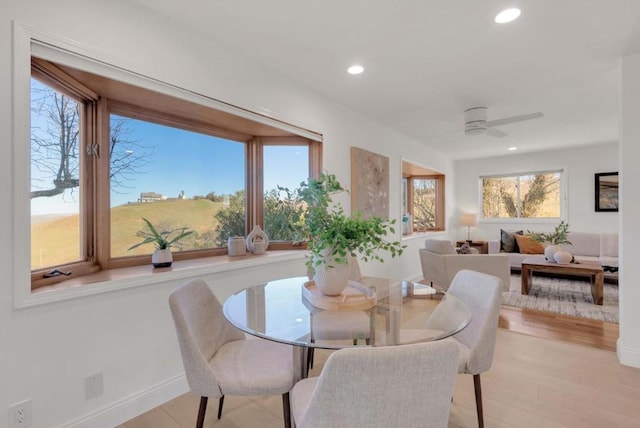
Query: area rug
x=563, y=296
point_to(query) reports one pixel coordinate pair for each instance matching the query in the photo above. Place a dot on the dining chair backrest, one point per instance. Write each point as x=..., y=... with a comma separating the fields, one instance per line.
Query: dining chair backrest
x=405, y=386
x=201, y=329
x=482, y=293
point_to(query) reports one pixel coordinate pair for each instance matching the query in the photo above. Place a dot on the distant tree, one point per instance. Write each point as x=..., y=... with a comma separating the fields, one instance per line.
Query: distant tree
x=541, y=186
x=283, y=220
x=283, y=215
x=213, y=197
x=128, y=157
x=55, y=151
x=424, y=204
x=500, y=194
x=231, y=219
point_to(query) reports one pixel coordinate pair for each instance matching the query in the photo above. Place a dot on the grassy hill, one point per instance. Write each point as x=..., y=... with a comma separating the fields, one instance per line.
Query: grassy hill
x=55, y=240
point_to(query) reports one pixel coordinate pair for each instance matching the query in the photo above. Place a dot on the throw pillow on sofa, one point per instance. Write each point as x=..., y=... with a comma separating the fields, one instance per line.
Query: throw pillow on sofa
x=508, y=242
x=528, y=245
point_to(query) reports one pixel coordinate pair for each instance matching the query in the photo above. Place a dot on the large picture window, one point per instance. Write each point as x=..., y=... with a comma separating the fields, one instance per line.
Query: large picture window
x=527, y=195
x=106, y=154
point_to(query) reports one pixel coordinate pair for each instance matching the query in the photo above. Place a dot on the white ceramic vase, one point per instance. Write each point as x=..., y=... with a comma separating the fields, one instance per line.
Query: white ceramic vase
x=550, y=251
x=563, y=257
x=257, y=240
x=331, y=278
x=161, y=258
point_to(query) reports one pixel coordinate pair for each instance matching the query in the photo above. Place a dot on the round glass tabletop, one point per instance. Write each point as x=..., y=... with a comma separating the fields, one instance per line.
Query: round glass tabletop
x=279, y=311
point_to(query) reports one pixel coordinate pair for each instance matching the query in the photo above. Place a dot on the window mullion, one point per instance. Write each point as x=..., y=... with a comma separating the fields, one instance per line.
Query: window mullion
x=255, y=184
x=102, y=211
x=518, y=202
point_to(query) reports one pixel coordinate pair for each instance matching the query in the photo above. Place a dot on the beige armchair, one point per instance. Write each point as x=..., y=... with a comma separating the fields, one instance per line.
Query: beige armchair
x=440, y=263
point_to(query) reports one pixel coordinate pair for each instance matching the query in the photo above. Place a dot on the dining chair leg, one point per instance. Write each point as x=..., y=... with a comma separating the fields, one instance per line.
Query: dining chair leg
x=309, y=359
x=201, y=411
x=478, y=390
x=220, y=404
x=286, y=410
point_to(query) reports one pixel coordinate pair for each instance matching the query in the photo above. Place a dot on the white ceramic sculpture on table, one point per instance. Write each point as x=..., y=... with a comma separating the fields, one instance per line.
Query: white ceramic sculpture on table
x=550, y=251
x=257, y=241
x=563, y=257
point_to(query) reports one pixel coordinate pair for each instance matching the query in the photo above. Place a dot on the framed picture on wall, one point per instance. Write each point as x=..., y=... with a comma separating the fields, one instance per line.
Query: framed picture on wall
x=607, y=191
x=369, y=183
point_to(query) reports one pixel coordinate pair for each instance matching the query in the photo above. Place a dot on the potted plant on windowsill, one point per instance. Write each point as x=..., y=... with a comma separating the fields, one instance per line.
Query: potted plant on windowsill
x=333, y=237
x=555, y=238
x=163, y=241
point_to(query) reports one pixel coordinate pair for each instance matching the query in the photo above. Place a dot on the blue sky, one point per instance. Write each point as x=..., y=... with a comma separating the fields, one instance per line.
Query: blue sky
x=199, y=164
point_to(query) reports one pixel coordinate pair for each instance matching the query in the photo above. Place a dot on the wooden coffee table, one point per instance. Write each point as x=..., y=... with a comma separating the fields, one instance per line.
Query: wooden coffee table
x=592, y=270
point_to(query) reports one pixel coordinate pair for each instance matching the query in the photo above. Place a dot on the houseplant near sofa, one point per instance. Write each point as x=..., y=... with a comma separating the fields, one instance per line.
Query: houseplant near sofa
x=333, y=237
x=163, y=241
x=555, y=238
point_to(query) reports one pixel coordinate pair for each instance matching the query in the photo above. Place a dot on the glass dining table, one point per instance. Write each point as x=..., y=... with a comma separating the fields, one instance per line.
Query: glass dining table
x=279, y=311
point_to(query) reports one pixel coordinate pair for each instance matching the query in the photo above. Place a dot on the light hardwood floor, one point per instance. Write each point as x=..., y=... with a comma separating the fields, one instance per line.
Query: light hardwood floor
x=569, y=376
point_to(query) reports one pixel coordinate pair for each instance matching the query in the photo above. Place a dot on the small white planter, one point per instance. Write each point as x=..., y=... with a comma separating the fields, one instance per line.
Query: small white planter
x=332, y=281
x=161, y=258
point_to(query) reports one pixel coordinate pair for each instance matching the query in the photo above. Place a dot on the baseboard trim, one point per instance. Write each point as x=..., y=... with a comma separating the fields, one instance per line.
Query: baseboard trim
x=627, y=356
x=128, y=408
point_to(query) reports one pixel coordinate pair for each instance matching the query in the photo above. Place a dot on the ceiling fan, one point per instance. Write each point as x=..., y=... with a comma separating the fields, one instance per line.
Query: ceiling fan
x=475, y=122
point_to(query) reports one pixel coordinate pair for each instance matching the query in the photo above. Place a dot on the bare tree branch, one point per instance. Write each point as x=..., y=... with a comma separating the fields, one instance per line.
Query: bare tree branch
x=55, y=146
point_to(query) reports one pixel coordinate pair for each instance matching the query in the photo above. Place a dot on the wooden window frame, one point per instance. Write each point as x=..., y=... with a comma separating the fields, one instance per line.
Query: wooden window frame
x=95, y=183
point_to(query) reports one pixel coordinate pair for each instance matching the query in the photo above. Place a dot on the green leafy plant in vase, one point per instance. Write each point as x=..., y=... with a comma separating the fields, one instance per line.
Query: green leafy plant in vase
x=554, y=239
x=333, y=238
x=162, y=240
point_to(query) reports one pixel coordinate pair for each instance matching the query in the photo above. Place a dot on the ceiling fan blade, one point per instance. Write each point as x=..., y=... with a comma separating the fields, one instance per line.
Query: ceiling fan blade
x=495, y=132
x=512, y=119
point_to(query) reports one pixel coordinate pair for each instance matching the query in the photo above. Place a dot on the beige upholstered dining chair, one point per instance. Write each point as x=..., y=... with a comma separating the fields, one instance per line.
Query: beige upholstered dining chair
x=218, y=360
x=482, y=294
x=397, y=386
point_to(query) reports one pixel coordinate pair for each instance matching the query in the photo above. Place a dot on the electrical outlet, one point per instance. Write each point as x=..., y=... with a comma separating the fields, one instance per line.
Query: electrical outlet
x=93, y=386
x=20, y=415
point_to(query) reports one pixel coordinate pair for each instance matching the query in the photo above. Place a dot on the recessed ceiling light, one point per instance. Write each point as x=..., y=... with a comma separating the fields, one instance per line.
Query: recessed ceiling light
x=511, y=149
x=355, y=69
x=507, y=15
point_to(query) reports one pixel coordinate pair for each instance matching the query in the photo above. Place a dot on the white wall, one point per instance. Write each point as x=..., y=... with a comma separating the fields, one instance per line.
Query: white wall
x=629, y=341
x=47, y=350
x=580, y=165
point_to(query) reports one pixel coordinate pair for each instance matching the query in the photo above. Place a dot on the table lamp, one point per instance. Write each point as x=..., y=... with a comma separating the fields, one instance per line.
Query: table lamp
x=468, y=220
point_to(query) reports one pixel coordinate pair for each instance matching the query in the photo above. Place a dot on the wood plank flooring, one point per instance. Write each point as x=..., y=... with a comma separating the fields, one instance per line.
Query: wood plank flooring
x=548, y=371
x=547, y=325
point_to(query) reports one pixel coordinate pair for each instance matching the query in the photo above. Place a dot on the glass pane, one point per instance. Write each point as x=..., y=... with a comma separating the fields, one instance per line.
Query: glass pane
x=284, y=166
x=55, y=177
x=424, y=204
x=540, y=195
x=499, y=197
x=174, y=178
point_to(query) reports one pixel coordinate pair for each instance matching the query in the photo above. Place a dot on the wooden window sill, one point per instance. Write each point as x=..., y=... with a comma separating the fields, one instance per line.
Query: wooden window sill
x=118, y=279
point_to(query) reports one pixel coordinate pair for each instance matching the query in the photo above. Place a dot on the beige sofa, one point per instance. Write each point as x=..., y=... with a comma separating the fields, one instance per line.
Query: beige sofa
x=440, y=263
x=594, y=247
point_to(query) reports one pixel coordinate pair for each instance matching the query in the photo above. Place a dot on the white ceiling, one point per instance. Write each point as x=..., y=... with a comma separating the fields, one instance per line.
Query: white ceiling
x=426, y=61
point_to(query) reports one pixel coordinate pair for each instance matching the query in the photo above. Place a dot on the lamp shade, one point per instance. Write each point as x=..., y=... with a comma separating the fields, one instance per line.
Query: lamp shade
x=468, y=220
